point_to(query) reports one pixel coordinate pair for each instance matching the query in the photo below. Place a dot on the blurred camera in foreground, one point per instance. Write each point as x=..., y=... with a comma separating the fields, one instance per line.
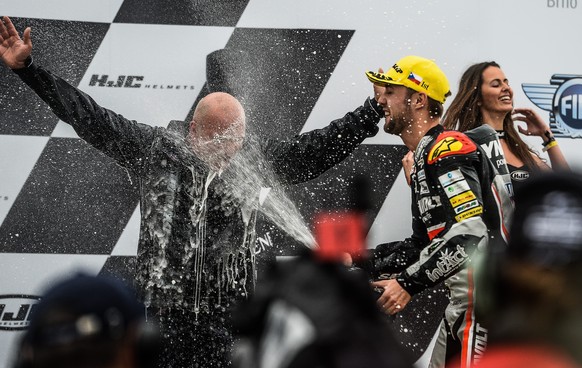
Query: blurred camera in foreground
x=533, y=286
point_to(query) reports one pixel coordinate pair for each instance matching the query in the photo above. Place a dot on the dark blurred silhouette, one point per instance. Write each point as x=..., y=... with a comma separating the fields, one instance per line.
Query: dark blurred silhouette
x=532, y=300
x=314, y=313
x=88, y=322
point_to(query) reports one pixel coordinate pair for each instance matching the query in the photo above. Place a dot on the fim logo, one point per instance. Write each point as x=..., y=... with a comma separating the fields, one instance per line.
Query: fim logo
x=16, y=310
x=563, y=99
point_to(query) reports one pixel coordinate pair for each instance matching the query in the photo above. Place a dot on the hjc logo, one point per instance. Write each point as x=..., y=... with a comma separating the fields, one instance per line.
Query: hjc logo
x=563, y=99
x=16, y=310
x=126, y=81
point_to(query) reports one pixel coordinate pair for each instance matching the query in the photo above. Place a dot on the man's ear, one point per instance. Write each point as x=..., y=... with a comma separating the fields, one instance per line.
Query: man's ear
x=419, y=100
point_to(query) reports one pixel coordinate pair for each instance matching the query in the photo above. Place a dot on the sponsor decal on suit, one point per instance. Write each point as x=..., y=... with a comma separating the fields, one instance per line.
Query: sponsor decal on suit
x=450, y=143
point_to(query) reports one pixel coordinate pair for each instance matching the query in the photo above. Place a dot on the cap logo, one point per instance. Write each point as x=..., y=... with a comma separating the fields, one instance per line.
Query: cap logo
x=417, y=79
x=379, y=76
x=397, y=68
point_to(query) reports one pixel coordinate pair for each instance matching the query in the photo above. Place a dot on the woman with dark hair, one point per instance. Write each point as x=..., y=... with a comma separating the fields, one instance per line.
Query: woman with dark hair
x=485, y=97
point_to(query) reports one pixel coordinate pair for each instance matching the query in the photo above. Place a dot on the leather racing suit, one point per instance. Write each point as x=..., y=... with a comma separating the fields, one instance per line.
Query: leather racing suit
x=460, y=204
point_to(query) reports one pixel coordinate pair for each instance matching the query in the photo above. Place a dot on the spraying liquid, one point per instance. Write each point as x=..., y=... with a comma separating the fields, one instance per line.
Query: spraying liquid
x=255, y=181
x=249, y=182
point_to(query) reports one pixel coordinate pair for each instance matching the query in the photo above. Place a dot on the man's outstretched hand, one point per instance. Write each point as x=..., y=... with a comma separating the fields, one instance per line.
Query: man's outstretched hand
x=14, y=50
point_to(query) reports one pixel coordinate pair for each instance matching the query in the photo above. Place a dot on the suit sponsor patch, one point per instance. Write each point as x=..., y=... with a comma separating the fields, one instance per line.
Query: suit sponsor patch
x=462, y=198
x=457, y=188
x=468, y=214
x=423, y=187
x=428, y=203
x=466, y=206
x=450, y=143
x=449, y=261
x=451, y=177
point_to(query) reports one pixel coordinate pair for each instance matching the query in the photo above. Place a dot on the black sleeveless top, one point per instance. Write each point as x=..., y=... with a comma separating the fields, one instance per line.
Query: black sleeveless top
x=519, y=175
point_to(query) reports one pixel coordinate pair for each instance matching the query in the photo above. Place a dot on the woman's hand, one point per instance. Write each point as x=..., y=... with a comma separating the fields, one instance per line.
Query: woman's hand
x=535, y=125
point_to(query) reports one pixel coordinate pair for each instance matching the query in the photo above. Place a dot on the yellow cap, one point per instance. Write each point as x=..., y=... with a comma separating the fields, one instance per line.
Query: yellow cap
x=417, y=73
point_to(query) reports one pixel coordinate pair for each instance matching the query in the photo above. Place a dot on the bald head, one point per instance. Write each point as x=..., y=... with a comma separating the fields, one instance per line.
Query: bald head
x=219, y=112
x=217, y=128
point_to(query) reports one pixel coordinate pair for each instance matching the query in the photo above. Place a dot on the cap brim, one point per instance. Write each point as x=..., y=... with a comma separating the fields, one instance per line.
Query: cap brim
x=380, y=78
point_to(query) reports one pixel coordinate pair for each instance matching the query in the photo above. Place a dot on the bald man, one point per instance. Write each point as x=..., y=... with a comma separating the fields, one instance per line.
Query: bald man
x=196, y=248
x=217, y=129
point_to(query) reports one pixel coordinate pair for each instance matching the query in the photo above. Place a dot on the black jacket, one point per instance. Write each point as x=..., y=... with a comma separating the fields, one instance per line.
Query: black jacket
x=197, y=239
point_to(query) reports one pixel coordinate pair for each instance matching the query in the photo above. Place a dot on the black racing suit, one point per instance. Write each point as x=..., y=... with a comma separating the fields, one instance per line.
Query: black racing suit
x=196, y=253
x=460, y=205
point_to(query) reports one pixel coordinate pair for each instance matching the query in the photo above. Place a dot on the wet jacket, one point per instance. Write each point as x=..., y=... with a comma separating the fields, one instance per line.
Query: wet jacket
x=459, y=203
x=196, y=245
